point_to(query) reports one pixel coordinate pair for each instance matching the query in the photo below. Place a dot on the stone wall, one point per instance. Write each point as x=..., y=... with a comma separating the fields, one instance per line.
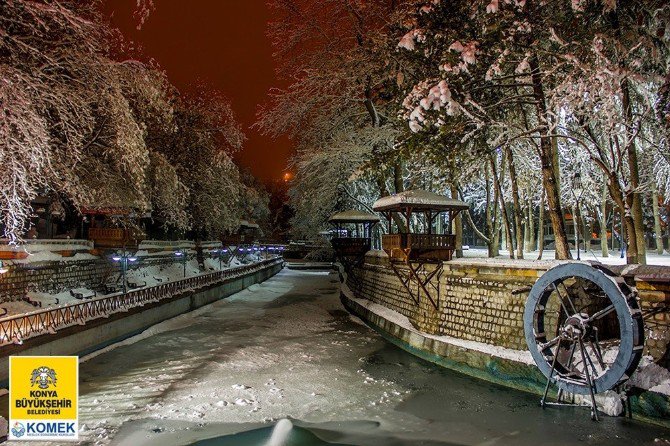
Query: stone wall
x=655, y=303
x=483, y=299
x=53, y=277
x=58, y=276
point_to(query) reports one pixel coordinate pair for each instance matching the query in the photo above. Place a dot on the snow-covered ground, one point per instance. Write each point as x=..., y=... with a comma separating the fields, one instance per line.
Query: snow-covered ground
x=614, y=258
x=287, y=349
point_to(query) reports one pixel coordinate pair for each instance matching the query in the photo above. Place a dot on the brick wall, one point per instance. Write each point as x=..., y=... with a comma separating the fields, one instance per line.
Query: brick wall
x=483, y=300
x=655, y=298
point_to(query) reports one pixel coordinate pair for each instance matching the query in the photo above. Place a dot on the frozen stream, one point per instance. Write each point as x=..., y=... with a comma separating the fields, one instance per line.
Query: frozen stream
x=230, y=373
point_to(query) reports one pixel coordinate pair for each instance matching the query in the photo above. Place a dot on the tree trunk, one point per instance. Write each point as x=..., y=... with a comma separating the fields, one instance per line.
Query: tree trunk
x=575, y=224
x=516, y=206
x=531, y=223
x=383, y=192
x=457, y=224
x=398, y=183
x=526, y=229
x=503, y=210
x=658, y=235
x=549, y=168
x=624, y=203
x=603, y=223
x=492, y=208
x=540, y=228
x=631, y=153
x=491, y=216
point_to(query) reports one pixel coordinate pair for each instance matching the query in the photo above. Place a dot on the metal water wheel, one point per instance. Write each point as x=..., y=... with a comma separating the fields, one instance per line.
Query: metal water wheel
x=584, y=329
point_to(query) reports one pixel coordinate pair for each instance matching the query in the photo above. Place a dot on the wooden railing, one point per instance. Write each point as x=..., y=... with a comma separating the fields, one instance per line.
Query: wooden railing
x=350, y=241
x=14, y=329
x=350, y=245
x=114, y=237
x=431, y=241
x=418, y=241
x=393, y=241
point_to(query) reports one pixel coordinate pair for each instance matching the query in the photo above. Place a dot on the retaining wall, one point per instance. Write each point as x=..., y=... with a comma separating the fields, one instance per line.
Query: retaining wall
x=483, y=299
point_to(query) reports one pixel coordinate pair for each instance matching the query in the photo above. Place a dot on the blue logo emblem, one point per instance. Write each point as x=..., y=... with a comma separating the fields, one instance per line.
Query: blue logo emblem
x=18, y=430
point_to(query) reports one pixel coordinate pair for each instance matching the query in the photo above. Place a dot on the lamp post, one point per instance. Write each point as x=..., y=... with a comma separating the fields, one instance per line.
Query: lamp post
x=222, y=251
x=577, y=191
x=123, y=260
x=181, y=254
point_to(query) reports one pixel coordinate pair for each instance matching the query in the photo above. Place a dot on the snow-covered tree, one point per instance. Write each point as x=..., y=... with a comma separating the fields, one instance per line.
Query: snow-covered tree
x=512, y=70
x=82, y=121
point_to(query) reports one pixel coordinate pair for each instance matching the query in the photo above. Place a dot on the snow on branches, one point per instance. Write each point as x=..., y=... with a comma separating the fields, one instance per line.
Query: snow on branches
x=91, y=130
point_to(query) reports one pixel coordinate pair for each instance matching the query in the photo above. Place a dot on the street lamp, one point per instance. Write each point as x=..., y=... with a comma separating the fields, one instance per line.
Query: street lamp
x=222, y=251
x=577, y=191
x=123, y=260
x=181, y=254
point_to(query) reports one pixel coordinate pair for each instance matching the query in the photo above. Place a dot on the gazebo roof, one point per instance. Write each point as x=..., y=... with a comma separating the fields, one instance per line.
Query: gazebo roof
x=353, y=216
x=420, y=200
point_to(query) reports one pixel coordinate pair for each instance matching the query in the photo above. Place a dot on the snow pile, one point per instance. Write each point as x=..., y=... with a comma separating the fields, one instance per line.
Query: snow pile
x=651, y=376
x=214, y=264
x=48, y=256
x=47, y=251
x=152, y=275
x=48, y=245
x=46, y=299
x=609, y=403
x=16, y=307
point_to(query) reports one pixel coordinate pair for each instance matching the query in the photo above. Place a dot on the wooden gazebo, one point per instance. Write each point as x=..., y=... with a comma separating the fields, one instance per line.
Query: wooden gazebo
x=105, y=234
x=420, y=238
x=353, y=233
x=244, y=235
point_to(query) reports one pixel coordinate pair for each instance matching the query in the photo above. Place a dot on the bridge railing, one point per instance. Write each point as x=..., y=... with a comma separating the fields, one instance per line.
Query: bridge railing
x=15, y=329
